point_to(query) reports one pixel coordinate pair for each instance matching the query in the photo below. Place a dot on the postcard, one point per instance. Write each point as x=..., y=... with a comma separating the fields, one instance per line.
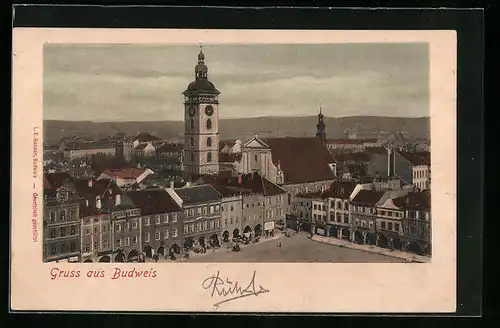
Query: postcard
x=234, y=171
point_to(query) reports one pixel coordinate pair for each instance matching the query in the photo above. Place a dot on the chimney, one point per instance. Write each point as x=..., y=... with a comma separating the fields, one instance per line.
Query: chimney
x=98, y=202
x=90, y=183
x=172, y=184
x=118, y=199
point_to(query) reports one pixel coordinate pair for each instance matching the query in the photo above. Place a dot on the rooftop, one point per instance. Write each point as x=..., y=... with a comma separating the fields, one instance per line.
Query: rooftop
x=198, y=194
x=154, y=201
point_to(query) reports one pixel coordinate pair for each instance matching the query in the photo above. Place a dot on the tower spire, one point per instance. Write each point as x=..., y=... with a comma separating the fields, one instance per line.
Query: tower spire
x=320, y=127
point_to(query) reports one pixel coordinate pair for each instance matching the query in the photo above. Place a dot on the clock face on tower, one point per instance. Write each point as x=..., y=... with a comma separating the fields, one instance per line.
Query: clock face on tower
x=191, y=111
x=209, y=110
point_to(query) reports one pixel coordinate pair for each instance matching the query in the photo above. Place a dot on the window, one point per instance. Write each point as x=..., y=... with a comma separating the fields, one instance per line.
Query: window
x=134, y=224
x=382, y=212
x=63, y=231
x=256, y=158
x=186, y=229
x=104, y=243
x=87, y=247
x=332, y=216
x=118, y=227
x=96, y=230
x=389, y=225
x=96, y=245
x=52, y=216
x=174, y=233
x=212, y=224
x=191, y=212
x=231, y=221
x=127, y=226
x=72, y=214
x=370, y=224
x=363, y=223
x=346, y=218
x=217, y=208
x=146, y=221
x=134, y=240
x=165, y=218
x=232, y=208
x=192, y=155
x=157, y=219
x=191, y=228
x=53, y=249
x=339, y=205
x=157, y=235
x=165, y=234
x=338, y=217
x=209, y=142
x=72, y=246
x=192, y=123
x=204, y=210
x=174, y=217
x=127, y=241
x=52, y=233
x=62, y=215
x=104, y=227
x=396, y=226
x=389, y=213
x=237, y=220
x=382, y=224
x=147, y=237
x=209, y=157
x=118, y=243
x=211, y=209
x=209, y=124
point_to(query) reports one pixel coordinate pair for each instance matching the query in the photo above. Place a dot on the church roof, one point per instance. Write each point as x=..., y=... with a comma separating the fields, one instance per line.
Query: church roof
x=301, y=159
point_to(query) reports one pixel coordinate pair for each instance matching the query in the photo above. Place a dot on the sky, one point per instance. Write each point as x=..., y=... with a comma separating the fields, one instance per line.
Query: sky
x=145, y=82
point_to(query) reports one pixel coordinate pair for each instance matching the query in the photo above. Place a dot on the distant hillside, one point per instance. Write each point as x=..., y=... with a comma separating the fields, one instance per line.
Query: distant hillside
x=367, y=126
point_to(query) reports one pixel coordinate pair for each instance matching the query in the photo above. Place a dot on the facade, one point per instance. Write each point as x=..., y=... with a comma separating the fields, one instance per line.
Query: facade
x=264, y=203
x=171, y=155
x=379, y=163
x=145, y=150
x=416, y=222
x=232, y=210
x=126, y=230
x=61, y=219
x=363, y=208
x=202, y=216
x=96, y=235
x=413, y=168
x=161, y=218
x=201, y=124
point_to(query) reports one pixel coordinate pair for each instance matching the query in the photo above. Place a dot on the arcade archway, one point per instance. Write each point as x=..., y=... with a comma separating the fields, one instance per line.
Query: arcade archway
x=120, y=256
x=383, y=241
x=175, y=249
x=88, y=261
x=258, y=230
x=396, y=243
x=105, y=259
x=236, y=233
x=188, y=243
x=214, y=240
x=149, y=251
x=225, y=236
x=414, y=247
x=358, y=237
x=133, y=255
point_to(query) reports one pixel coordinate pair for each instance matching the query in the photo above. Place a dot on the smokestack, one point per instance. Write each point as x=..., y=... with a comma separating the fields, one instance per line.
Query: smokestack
x=172, y=184
x=90, y=183
x=98, y=202
x=118, y=199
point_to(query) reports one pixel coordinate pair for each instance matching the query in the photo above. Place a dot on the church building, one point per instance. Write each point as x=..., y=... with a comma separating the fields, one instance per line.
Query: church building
x=201, y=124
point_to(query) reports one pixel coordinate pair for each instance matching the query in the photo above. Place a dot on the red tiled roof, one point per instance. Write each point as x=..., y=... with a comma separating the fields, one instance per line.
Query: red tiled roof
x=154, y=201
x=301, y=159
x=128, y=173
x=367, y=197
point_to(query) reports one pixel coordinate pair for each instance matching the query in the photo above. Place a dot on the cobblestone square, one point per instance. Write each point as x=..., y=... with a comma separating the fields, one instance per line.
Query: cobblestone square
x=294, y=249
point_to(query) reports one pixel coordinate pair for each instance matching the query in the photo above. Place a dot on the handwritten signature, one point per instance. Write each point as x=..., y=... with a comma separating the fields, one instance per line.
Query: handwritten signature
x=221, y=287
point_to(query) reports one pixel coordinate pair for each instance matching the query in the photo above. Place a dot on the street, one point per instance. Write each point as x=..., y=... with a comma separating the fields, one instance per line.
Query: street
x=294, y=249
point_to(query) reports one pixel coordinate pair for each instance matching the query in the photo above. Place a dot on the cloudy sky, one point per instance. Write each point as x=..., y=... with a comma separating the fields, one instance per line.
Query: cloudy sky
x=145, y=83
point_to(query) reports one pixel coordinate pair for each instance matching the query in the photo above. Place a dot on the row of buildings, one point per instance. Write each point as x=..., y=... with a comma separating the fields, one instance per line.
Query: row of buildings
x=381, y=213
x=97, y=221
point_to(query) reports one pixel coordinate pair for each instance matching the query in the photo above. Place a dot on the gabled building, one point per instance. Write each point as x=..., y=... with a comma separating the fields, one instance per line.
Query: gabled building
x=202, y=216
x=161, y=217
x=98, y=198
x=61, y=219
x=413, y=168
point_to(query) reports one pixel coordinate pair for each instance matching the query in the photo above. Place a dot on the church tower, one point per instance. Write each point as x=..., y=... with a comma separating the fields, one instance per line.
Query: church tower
x=320, y=128
x=201, y=123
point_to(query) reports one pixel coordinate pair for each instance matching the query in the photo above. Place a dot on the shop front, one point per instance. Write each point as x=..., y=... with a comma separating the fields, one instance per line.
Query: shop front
x=269, y=228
